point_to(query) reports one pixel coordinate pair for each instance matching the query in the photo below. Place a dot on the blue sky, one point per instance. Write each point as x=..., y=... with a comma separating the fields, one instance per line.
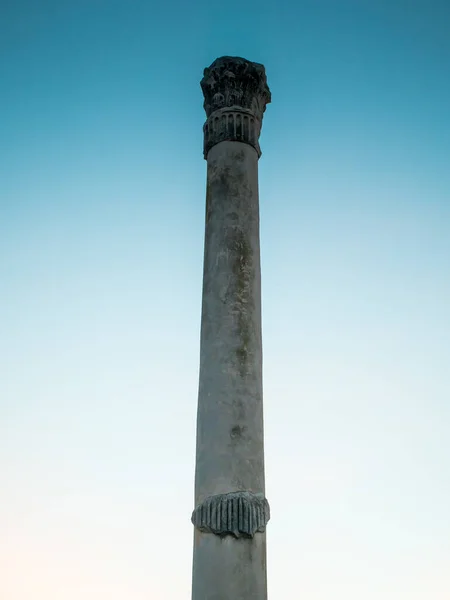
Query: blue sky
x=102, y=190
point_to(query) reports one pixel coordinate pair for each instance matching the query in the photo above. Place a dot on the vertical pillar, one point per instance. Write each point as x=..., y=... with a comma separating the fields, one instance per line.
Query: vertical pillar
x=231, y=511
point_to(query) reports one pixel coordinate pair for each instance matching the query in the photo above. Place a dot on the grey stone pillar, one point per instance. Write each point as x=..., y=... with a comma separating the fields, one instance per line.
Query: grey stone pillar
x=231, y=511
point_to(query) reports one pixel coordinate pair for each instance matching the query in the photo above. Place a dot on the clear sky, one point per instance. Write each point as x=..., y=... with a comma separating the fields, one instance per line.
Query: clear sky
x=102, y=191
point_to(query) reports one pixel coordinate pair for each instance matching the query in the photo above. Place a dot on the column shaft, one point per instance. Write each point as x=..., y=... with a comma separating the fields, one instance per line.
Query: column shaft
x=231, y=511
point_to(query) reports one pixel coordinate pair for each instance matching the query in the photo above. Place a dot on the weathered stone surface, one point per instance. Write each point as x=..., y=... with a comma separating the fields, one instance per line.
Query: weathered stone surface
x=230, y=437
x=236, y=94
x=241, y=514
x=226, y=568
x=230, y=432
x=231, y=511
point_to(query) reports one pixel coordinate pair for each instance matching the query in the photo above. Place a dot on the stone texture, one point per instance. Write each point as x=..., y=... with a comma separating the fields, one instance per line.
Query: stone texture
x=228, y=568
x=235, y=81
x=231, y=510
x=241, y=514
x=230, y=448
x=236, y=94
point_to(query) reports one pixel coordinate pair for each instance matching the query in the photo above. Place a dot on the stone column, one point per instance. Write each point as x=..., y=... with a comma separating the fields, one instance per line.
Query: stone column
x=231, y=511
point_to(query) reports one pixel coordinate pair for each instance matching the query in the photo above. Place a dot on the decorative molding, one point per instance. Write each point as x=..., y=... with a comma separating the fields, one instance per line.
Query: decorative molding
x=236, y=94
x=241, y=514
x=233, y=125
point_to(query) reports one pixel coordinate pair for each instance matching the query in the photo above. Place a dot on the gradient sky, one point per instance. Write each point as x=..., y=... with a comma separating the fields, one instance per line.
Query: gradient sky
x=102, y=191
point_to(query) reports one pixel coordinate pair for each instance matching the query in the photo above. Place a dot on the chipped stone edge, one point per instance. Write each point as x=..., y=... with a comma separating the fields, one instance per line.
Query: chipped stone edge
x=241, y=514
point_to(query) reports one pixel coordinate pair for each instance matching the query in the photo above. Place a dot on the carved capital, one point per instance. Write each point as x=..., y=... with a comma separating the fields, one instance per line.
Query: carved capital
x=236, y=94
x=241, y=514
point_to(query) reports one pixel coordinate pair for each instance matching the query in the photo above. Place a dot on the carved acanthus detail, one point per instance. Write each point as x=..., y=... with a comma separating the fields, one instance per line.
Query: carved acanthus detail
x=241, y=514
x=236, y=94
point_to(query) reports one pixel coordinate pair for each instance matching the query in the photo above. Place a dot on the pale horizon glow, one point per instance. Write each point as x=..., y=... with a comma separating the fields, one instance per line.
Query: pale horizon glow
x=102, y=194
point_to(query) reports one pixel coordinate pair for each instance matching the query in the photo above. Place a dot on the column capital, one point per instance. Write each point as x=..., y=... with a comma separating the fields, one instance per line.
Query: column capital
x=236, y=94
